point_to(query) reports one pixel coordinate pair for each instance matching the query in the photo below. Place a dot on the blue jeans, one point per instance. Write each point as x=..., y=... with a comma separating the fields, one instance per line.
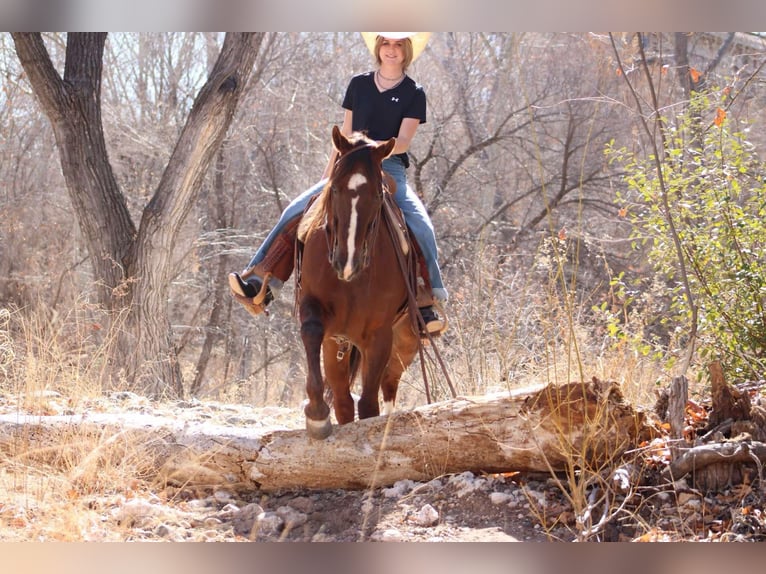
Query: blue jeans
x=415, y=215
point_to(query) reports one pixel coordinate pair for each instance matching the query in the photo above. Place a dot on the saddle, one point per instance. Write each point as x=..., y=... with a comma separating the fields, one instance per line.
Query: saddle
x=395, y=217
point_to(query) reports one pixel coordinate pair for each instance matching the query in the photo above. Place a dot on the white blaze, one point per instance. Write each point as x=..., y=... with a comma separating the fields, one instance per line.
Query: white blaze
x=347, y=270
x=354, y=182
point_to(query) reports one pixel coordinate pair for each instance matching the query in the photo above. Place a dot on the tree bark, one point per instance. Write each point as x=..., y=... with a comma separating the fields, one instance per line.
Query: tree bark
x=133, y=267
x=679, y=396
x=681, y=57
x=542, y=431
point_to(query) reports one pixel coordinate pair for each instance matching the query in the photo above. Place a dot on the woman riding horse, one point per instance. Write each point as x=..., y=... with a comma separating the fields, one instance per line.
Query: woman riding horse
x=384, y=104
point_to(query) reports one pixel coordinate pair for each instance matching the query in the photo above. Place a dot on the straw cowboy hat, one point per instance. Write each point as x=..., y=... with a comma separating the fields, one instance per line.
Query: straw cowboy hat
x=419, y=40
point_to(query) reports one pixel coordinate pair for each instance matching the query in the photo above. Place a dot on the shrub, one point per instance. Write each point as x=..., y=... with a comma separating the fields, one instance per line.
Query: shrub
x=716, y=198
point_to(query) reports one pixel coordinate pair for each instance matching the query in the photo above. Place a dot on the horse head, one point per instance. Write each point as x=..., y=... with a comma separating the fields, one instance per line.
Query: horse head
x=353, y=205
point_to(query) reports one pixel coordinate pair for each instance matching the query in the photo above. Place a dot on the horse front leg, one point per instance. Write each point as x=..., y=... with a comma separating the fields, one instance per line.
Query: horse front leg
x=374, y=360
x=337, y=368
x=317, y=412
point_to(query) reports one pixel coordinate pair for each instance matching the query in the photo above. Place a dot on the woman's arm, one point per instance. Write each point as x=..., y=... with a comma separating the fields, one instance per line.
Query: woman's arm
x=406, y=133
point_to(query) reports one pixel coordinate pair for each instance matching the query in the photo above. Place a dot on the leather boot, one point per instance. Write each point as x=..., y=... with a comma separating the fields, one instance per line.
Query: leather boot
x=251, y=286
x=254, y=294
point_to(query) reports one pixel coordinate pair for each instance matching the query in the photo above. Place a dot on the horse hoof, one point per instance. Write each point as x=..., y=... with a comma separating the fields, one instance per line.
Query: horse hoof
x=319, y=430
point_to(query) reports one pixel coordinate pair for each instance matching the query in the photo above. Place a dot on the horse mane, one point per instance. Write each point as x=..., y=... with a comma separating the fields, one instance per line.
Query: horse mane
x=360, y=138
x=314, y=216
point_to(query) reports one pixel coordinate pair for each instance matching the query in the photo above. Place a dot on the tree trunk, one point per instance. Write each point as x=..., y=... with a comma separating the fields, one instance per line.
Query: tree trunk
x=73, y=106
x=681, y=57
x=679, y=396
x=691, y=81
x=134, y=268
x=542, y=431
x=146, y=346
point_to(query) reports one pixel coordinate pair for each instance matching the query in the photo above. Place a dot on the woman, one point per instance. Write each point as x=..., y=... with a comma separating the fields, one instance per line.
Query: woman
x=384, y=103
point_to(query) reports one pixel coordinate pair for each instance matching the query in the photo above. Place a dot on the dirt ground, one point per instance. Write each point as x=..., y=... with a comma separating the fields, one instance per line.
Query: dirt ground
x=450, y=509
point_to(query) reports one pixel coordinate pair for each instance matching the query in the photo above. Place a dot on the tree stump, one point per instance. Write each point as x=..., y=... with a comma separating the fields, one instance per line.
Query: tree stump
x=731, y=445
x=728, y=402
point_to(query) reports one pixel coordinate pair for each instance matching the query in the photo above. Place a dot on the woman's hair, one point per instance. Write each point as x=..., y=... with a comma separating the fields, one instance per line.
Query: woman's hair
x=406, y=46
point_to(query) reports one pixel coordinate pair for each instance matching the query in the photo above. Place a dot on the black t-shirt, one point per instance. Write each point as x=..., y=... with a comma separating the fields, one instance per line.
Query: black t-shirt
x=380, y=114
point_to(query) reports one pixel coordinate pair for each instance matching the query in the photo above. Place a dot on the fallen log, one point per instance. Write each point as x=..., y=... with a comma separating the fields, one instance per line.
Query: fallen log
x=714, y=465
x=540, y=430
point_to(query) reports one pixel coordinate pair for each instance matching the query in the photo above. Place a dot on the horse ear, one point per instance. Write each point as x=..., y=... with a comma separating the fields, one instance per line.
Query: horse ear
x=384, y=150
x=339, y=141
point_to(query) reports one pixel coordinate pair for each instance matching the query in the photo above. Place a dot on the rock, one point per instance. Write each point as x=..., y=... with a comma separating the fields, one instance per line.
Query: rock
x=621, y=480
x=136, y=512
x=466, y=483
x=302, y=504
x=243, y=521
x=292, y=518
x=399, y=489
x=222, y=496
x=269, y=525
x=426, y=516
x=229, y=509
x=322, y=537
x=499, y=497
x=125, y=396
x=388, y=535
x=198, y=503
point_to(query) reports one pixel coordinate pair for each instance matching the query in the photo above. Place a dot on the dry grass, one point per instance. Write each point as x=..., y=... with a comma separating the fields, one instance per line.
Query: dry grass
x=51, y=364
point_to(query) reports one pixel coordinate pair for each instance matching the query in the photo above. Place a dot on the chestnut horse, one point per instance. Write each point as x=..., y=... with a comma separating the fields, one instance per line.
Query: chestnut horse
x=352, y=293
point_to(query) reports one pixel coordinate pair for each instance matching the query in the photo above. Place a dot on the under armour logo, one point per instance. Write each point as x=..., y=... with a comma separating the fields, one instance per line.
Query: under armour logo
x=394, y=99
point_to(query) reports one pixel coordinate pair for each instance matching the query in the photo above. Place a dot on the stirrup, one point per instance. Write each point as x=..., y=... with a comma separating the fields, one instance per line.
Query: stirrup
x=254, y=294
x=434, y=325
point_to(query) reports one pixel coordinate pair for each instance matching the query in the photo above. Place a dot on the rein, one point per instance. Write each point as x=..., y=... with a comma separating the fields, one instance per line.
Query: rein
x=416, y=320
